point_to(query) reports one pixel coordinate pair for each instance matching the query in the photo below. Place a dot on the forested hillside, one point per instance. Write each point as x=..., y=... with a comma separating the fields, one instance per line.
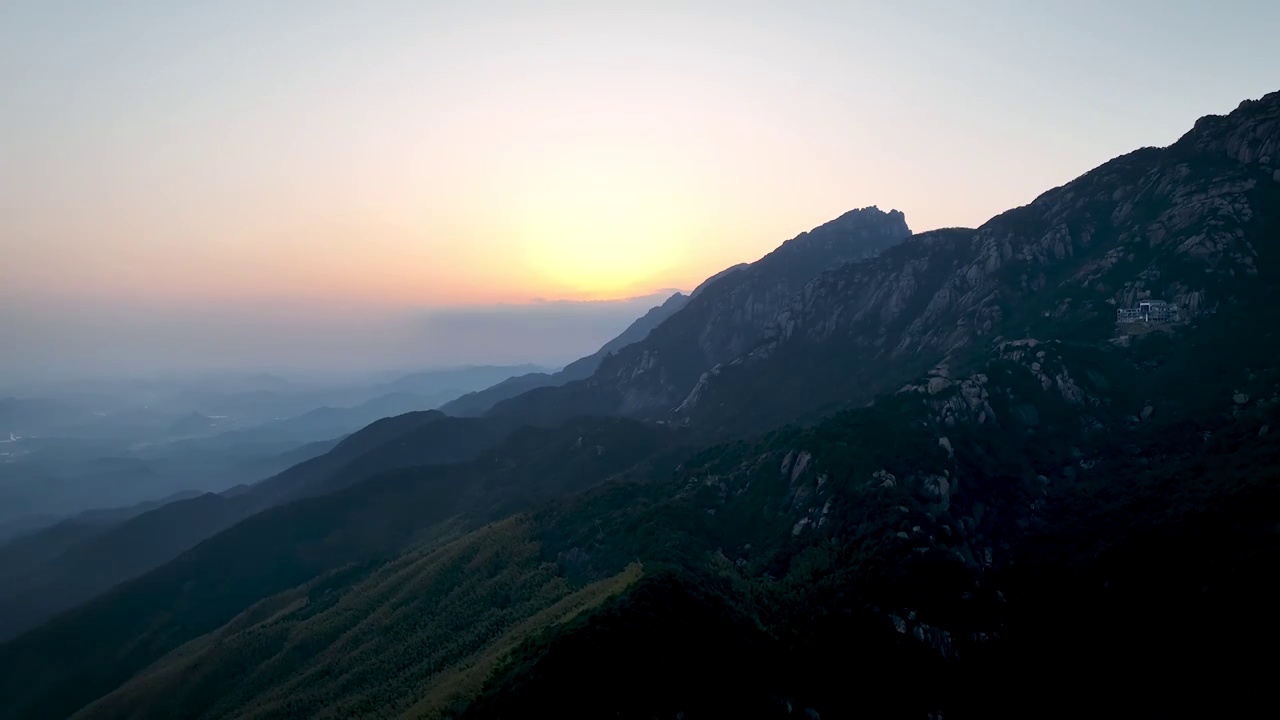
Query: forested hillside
x=870, y=475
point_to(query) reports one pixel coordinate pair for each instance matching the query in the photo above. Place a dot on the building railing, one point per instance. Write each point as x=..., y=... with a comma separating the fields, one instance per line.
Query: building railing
x=1149, y=312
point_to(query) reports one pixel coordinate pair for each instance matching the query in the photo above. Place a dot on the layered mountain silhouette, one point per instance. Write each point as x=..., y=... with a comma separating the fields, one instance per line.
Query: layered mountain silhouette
x=724, y=317
x=478, y=403
x=872, y=474
x=71, y=562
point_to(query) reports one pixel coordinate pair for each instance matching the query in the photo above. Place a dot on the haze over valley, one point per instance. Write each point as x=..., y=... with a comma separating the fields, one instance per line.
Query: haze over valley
x=676, y=360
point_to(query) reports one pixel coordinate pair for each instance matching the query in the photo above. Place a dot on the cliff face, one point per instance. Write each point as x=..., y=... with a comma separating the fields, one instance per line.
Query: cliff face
x=725, y=317
x=1181, y=224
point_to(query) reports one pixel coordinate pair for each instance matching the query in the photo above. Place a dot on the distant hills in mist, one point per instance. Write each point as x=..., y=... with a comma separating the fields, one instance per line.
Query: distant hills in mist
x=876, y=473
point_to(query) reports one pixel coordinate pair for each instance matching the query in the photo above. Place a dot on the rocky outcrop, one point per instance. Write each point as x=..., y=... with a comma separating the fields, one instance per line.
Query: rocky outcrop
x=725, y=317
x=1179, y=224
x=1251, y=134
x=851, y=310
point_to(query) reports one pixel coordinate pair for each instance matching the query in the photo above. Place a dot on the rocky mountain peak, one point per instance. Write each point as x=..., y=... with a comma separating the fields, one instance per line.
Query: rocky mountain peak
x=856, y=234
x=1183, y=224
x=1249, y=134
x=1002, y=479
x=871, y=215
x=724, y=317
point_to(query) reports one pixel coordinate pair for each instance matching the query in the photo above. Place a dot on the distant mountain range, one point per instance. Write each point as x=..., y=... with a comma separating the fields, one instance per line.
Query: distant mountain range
x=65, y=562
x=479, y=402
x=83, y=451
x=209, y=405
x=60, y=559
x=873, y=474
x=25, y=416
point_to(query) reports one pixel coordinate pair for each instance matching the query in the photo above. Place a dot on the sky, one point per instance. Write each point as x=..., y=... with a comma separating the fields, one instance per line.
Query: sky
x=277, y=183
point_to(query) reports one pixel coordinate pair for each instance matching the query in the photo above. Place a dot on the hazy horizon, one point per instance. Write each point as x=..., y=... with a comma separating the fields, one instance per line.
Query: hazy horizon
x=549, y=334
x=322, y=186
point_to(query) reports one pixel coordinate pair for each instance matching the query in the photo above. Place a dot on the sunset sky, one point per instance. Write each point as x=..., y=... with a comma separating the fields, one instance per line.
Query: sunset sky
x=166, y=164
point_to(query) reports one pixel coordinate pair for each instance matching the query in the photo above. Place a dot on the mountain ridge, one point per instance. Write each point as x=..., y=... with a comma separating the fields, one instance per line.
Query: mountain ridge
x=934, y=468
x=38, y=585
x=723, y=317
x=907, y=306
x=479, y=402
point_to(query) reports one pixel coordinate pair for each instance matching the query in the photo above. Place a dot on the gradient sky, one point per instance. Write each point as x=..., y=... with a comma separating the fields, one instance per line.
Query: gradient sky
x=167, y=164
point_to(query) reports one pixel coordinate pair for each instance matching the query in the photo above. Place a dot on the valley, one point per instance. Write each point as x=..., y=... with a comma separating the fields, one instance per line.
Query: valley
x=875, y=473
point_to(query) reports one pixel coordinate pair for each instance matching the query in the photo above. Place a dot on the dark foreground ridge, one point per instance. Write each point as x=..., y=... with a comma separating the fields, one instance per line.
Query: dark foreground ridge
x=935, y=478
